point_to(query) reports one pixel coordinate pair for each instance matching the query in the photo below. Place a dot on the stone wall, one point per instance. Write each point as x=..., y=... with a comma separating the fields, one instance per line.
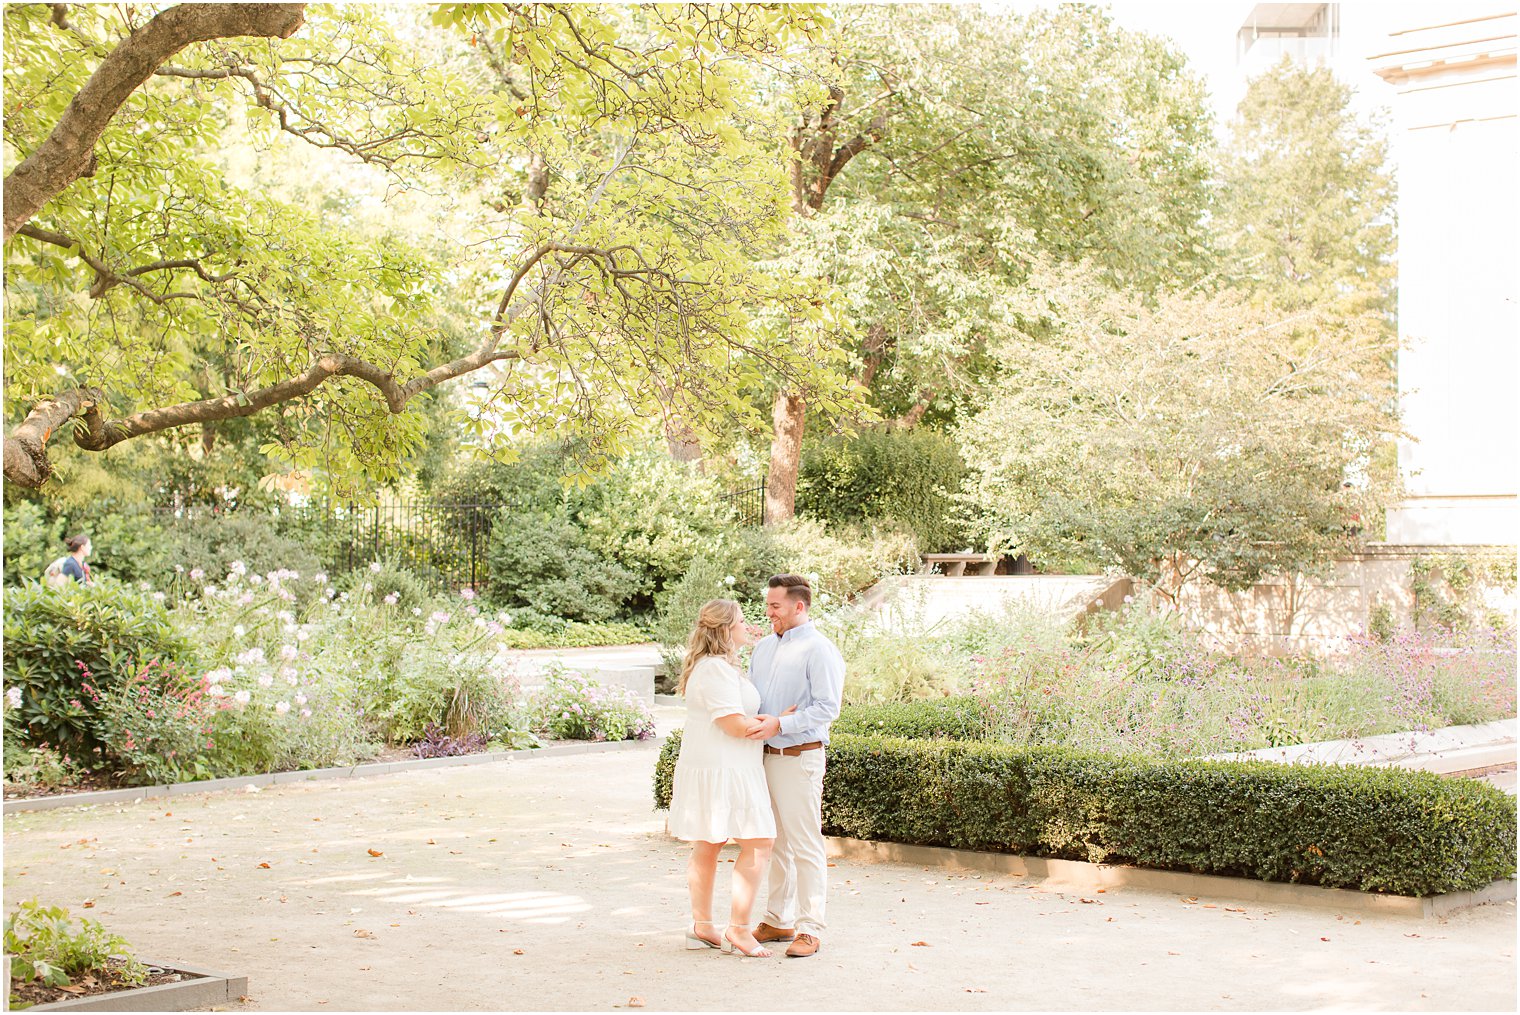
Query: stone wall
x=1281, y=617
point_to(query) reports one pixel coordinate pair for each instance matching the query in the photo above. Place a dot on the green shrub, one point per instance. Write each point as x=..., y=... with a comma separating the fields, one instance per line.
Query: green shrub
x=840, y=561
x=960, y=718
x=67, y=648
x=390, y=582
x=907, y=479
x=544, y=563
x=261, y=540
x=571, y=707
x=1370, y=829
x=653, y=515
x=573, y=634
x=44, y=945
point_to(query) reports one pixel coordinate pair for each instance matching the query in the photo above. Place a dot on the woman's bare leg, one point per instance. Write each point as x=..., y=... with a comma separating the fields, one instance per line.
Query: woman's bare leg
x=700, y=872
x=754, y=857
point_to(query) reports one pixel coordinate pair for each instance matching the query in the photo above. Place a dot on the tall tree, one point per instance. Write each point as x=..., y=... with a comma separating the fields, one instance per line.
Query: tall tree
x=981, y=143
x=1306, y=199
x=616, y=281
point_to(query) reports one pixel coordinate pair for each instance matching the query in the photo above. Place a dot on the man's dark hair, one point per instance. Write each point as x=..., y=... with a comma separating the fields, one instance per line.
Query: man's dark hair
x=797, y=588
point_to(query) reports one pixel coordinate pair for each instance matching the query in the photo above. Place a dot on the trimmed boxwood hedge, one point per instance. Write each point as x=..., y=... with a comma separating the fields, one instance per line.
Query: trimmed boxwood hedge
x=1371, y=829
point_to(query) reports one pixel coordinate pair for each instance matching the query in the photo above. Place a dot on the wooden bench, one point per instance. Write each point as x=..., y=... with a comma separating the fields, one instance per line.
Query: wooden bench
x=955, y=565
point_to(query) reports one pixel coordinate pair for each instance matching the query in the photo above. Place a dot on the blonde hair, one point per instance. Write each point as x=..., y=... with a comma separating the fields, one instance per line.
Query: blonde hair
x=712, y=636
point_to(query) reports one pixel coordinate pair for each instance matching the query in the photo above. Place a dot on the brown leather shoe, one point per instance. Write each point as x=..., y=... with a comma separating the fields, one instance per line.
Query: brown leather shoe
x=765, y=934
x=805, y=945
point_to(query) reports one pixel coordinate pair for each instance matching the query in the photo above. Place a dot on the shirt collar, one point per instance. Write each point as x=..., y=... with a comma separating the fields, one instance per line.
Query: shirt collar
x=800, y=631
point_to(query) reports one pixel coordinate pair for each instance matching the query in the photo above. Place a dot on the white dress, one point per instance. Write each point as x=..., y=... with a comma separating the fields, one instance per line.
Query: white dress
x=719, y=790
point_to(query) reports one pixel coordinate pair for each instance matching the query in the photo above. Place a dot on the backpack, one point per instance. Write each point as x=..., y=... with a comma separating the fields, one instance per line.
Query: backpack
x=54, y=576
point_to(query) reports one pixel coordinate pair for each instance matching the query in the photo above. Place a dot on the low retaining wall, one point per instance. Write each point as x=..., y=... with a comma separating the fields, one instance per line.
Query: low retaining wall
x=1086, y=876
x=135, y=793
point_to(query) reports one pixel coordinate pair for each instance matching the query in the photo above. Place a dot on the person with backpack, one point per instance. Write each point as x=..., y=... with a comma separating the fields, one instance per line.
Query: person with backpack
x=71, y=566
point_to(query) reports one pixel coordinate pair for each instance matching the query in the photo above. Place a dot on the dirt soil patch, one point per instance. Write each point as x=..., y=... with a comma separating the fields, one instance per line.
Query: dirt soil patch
x=105, y=981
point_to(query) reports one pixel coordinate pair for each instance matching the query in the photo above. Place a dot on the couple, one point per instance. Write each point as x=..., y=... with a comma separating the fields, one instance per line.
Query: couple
x=751, y=769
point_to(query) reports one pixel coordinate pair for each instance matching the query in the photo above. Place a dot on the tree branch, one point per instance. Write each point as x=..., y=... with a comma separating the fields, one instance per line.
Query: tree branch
x=68, y=151
x=107, y=277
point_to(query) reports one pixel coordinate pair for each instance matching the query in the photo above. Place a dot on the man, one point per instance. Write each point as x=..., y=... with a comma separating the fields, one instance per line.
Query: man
x=800, y=676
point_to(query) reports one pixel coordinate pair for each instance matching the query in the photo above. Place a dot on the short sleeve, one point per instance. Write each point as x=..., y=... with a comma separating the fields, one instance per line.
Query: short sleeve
x=719, y=689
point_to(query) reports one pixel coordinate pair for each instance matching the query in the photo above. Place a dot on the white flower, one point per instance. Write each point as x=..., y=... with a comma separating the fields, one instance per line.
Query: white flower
x=391, y=598
x=266, y=681
x=216, y=691
x=218, y=675
x=728, y=580
x=281, y=707
x=467, y=594
x=196, y=574
x=320, y=578
x=288, y=652
x=375, y=566
x=416, y=611
x=179, y=569
x=285, y=617
x=158, y=596
x=302, y=634
x=256, y=578
x=369, y=586
x=14, y=697
x=305, y=713
x=480, y=622
x=330, y=592
x=430, y=629
x=242, y=697
x=439, y=617
x=300, y=698
x=1129, y=599
x=239, y=630
x=291, y=678
x=252, y=657
x=238, y=567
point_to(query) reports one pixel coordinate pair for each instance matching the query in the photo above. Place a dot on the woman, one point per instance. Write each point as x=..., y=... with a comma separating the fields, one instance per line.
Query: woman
x=72, y=565
x=719, y=788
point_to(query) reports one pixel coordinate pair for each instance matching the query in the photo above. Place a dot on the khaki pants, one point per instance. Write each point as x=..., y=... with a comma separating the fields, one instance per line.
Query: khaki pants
x=799, y=881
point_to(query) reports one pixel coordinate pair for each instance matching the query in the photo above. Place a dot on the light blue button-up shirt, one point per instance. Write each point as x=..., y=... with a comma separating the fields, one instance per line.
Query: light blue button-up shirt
x=802, y=668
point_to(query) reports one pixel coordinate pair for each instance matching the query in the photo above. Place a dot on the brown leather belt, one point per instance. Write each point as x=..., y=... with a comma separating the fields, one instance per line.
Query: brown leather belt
x=792, y=752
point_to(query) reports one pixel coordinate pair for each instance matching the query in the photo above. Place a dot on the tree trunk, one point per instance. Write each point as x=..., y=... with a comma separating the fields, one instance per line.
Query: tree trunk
x=69, y=151
x=682, y=443
x=788, y=416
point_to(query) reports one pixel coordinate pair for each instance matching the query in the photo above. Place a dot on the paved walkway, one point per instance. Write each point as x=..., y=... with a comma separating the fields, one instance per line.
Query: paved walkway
x=549, y=884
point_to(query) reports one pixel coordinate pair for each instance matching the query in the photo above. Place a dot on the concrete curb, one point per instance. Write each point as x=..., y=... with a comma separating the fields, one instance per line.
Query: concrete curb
x=207, y=989
x=136, y=793
x=1086, y=876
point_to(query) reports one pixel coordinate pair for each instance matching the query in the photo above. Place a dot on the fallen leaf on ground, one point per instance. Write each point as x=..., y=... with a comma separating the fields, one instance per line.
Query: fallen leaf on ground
x=173, y=894
x=1174, y=953
x=430, y=842
x=70, y=988
x=517, y=951
x=922, y=944
x=264, y=865
x=376, y=852
x=975, y=990
x=88, y=904
x=1229, y=909
x=363, y=933
x=1324, y=939
x=635, y=1002
x=1190, y=901
x=1088, y=901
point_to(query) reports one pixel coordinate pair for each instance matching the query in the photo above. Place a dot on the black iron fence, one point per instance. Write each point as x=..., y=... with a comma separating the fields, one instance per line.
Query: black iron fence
x=748, y=503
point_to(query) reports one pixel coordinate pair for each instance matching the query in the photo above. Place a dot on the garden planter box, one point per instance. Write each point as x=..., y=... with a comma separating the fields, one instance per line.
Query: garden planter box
x=201, y=988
